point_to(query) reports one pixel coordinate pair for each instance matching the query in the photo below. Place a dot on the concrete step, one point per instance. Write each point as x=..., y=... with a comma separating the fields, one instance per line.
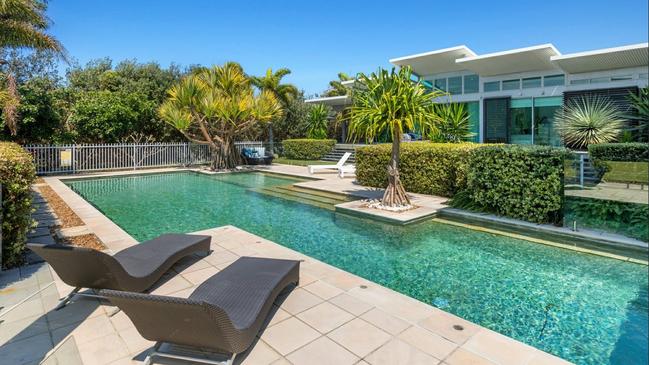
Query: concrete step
x=304, y=195
x=310, y=199
x=339, y=198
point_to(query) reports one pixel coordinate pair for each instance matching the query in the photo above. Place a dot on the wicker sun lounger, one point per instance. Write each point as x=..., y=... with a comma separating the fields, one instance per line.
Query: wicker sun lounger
x=223, y=315
x=134, y=269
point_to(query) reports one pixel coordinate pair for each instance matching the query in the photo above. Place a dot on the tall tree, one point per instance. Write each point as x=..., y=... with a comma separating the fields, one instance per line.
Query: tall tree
x=216, y=105
x=390, y=102
x=22, y=25
x=272, y=82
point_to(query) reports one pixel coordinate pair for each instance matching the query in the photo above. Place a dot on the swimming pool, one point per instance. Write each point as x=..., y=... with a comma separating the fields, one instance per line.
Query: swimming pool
x=584, y=308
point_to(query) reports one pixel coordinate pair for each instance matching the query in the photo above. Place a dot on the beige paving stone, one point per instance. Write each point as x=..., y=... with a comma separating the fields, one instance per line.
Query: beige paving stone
x=359, y=337
x=86, y=331
x=24, y=351
x=384, y=321
x=543, y=358
x=289, y=335
x=299, y=300
x=282, y=361
x=325, y=317
x=499, y=349
x=103, y=350
x=260, y=354
x=428, y=342
x=277, y=315
x=134, y=341
x=322, y=351
x=306, y=278
x=217, y=258
x=121, y=321
x=171, y=284
x=345, y=280
x=464, y=357
x=190, y=264
x=76, y=311
x=397, y=352
x=21, y=329
x=29, y=309
x=449, y=326
x=323, y=290
x=350, y=304
x=199, y=276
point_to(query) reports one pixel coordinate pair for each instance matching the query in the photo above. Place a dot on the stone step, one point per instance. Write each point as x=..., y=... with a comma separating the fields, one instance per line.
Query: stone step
x=339, y=198
x=282, y=195
x=304, y=195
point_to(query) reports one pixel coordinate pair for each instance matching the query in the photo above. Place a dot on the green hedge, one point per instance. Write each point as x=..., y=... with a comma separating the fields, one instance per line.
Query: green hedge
x=621, y=162
x=17, y=173
x=522, y=182
x=426, y=168
x=631, y=152
x=307, y=149
x=629, y=219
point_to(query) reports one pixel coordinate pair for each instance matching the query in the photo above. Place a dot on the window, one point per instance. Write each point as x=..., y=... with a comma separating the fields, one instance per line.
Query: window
x=644, y=76
x=554, y=80
x=471, y=84
x=492, y=86
x=473, y=108
x=531, y=82
x=455, y=85
x=599, y=80
x=544, y=112
x=579, y=82
x=512, y=84
x=440, y=84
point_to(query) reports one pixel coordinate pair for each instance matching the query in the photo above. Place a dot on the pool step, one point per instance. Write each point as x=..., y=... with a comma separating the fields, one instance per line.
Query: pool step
x=311, y=200
x=337, y=198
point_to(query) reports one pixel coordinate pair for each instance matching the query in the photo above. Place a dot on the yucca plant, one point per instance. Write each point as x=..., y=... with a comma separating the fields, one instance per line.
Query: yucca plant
x=640, y=107
x=214, y=106
x=454, y=123
x=317, y=121
x=390, y=102
x=589, y=120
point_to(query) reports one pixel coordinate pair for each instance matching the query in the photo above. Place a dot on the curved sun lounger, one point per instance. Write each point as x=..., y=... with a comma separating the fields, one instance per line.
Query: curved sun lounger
x=135, y=268
x=223, y=315
x=337, y=166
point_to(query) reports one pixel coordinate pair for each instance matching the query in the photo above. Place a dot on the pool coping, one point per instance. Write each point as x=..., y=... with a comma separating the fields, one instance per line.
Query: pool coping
x=493, y=346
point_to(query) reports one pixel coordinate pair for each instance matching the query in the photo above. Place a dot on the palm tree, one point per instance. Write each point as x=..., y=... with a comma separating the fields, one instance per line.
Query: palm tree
x=214, y=106
x=22, y=24
x=272, y=82
x=589, y=120
x=336, y=87
x=390, y=102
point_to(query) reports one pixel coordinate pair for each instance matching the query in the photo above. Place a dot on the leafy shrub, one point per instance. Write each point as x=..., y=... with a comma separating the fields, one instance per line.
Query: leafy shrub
x=17, y=173
x=426, y=168
x=522, y=182
x=629, y=219
x=454, y=125
x=318, y=122
x=632, y=152
x=307, y=149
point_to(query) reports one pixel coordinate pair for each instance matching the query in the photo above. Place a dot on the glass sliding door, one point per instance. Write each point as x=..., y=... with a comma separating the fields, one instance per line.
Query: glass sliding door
x=496, y=115
x=544, y=111
x=473, y=108
x=520, y=122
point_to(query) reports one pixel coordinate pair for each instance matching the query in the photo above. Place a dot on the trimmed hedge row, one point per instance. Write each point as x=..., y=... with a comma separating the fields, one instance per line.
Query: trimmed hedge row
x=427, y=168
x=17, y=173
x=522, y=182
x=631, y=152
x=307, y=149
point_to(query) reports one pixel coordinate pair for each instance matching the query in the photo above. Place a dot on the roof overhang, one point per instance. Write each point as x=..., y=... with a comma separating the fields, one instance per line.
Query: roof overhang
x=535, y=58
x=332, y=100
x=636, y=55
x=435, y=62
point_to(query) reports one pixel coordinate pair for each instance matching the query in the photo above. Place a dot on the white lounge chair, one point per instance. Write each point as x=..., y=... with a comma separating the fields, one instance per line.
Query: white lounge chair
x=337, y=166
x=349, y=169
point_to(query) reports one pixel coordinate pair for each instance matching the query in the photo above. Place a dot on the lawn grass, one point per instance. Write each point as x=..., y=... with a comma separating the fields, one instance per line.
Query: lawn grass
x=632, y=172
x=287, y=161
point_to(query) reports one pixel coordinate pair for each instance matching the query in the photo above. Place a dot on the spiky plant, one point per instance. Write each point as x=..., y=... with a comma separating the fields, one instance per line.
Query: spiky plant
x=454, y=123
x=589, y=120
x=640, y=107
x=317, y=121
x=390, y=102
x=214, y=106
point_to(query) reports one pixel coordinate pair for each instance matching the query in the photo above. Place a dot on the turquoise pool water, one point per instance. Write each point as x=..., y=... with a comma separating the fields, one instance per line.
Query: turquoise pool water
x=584, y=308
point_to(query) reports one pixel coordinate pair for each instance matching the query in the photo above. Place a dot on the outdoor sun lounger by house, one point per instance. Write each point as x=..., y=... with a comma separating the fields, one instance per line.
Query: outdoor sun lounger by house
x=337, y=166
x=349, y=169
x=223, y=315
x=134, y=269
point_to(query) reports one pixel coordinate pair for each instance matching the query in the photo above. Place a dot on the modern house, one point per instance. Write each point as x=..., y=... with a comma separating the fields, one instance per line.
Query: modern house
x=512, y=96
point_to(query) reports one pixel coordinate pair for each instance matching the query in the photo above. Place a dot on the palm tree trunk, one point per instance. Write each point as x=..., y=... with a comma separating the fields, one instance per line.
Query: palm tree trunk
x=224, y=155
x=10, y=105
x=395, y=194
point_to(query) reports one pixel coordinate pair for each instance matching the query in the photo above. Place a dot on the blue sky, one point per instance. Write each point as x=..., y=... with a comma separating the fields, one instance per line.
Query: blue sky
x=316, y=40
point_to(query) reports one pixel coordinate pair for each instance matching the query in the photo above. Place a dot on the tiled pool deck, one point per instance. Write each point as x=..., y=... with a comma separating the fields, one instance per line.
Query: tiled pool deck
x=333, y=317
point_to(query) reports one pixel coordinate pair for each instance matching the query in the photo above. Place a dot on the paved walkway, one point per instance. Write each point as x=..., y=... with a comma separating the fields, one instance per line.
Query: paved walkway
x=333, y=317
x=614, y=191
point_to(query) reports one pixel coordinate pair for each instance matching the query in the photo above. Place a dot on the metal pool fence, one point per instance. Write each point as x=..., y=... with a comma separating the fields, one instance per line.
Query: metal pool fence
x=75, y=158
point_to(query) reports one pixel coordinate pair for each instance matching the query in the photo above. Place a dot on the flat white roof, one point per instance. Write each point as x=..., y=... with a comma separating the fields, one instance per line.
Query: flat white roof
x=635, y=55
x=535, y=58
x=331, y=100
x=434, y=62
